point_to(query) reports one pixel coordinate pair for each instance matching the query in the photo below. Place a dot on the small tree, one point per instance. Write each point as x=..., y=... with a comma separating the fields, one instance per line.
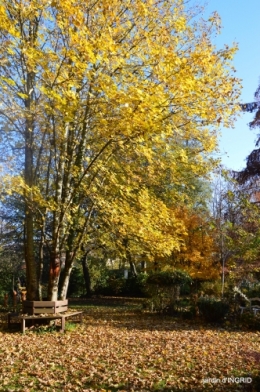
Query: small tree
x=164, y=288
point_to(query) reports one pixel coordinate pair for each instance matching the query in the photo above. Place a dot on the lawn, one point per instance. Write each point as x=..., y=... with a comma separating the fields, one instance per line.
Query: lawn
x=119, y=347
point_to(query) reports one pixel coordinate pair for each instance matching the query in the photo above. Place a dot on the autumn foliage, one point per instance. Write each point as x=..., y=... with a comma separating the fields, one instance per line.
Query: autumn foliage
x=110, y=109
x=198, y=252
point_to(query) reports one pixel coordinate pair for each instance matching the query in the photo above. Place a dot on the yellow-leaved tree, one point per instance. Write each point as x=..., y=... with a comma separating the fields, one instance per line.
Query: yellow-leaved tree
x=197, y=255
x=102, y=100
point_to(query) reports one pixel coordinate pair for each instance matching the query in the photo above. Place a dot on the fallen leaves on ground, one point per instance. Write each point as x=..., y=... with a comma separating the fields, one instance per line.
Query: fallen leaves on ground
x=116, y=349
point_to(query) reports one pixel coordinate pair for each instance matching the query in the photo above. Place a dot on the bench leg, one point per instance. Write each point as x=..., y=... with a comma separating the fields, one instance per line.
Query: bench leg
x=23, y=325
x=63, y=321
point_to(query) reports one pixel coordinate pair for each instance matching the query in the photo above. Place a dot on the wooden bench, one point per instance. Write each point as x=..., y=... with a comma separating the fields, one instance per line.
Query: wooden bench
x=252, y=307
x=44, y=310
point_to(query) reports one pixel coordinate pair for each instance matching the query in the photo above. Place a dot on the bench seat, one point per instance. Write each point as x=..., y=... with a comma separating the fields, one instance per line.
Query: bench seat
x=58, y=316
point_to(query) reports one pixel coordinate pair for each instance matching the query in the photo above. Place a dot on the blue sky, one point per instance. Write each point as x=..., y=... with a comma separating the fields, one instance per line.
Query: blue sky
x=240, y=21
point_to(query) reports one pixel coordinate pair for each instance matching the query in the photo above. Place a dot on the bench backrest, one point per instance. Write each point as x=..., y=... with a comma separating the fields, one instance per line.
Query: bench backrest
x=50, y=307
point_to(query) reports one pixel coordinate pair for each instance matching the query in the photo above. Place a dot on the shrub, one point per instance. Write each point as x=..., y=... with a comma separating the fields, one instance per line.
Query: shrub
x=115, y=285
x=164, y=289
x=190, y=313
x=250, y=321
x=166, y=278
x=136, y=286
x=100, y=282
x=76, y=284
x=211, y=288
x=254, y=291
x=111, y=286
x=186, y=289
x=212, y=309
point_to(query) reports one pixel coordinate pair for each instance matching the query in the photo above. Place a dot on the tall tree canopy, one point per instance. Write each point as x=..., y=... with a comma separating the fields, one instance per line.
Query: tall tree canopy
x=105, y=103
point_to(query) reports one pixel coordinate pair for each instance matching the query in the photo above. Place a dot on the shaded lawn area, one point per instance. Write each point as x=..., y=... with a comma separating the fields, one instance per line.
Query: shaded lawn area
x=121, y=348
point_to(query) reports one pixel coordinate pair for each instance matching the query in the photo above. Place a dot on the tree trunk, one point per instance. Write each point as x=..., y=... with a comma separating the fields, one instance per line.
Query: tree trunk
x=129, y=258
x=65, y=276
x=58, y=223
x=143, y=265
x=31, y=269
x=133, y=268
x=54, y=275
x=31, y=272
x=65, y=282
x=40, y=265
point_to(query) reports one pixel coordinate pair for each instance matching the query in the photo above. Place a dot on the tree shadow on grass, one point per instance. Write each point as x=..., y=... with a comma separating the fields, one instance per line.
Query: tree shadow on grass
x=124, y=312
x=129, y=313
x=140, y=320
